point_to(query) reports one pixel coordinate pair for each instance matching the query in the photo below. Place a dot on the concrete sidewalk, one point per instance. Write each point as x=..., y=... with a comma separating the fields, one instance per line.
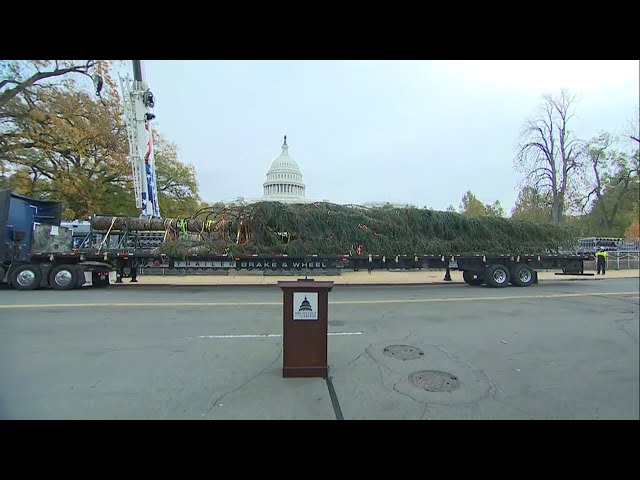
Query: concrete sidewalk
x=355, y=278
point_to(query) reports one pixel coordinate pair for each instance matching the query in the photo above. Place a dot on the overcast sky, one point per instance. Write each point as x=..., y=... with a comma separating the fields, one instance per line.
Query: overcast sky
x=420, y=132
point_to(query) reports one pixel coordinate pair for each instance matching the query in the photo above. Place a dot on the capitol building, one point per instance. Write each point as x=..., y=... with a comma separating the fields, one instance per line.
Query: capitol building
x=284, y=180
x=284, y=184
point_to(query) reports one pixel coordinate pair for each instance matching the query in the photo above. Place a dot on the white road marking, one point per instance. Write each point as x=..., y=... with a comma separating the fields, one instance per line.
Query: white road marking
x=270, y=335
x=489, y=298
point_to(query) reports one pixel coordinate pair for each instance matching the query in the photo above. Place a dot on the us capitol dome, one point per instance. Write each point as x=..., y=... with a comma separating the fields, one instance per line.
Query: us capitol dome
x=284, y=180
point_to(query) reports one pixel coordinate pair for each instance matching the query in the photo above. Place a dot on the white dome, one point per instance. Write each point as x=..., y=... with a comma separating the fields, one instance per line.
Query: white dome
x=284, y=179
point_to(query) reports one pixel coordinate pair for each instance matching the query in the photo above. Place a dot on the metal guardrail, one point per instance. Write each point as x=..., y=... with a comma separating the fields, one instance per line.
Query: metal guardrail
x=618, y=261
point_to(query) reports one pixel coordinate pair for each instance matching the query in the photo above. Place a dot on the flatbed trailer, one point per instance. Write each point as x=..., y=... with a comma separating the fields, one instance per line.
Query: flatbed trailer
x=36, y=252
x=493, y=270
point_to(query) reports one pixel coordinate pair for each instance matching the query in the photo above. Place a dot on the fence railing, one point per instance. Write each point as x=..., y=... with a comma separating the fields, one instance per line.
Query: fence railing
x=618, y=261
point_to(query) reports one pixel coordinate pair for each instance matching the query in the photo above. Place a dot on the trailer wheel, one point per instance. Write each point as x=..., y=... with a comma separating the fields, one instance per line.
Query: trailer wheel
x=496, y=276
x=26, y=277
x=472, y=278
x=63, y=277
x=522, y=275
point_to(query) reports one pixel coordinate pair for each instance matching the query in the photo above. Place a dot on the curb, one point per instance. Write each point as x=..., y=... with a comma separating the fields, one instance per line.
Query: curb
x=381, y=284
x=236, y=285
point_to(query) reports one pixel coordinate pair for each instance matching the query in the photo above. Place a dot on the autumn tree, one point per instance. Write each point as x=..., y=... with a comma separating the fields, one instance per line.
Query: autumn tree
x=633, y=134
x=72, y=145
x=633, y=231
x=549, y=154
x=495, y=209
x=472, y=207
x=26, y=86
x=21, y=180
x=22, y=83
x=612, y=185
x=62, y=142
x=532, y=206
x=178, y=192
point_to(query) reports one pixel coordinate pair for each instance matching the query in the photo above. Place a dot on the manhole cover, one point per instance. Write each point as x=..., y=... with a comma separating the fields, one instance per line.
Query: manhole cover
x=403, y=352
x=432, y=381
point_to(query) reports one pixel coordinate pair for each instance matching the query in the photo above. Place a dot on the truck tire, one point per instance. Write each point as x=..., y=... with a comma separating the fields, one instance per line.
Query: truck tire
x=472, y=278
x=522, y=275
x=496, y=276
x=63, y=277
x=26, y=277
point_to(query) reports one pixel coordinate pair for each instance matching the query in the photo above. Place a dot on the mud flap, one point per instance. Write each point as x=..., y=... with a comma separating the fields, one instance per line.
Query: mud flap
x=83, y=278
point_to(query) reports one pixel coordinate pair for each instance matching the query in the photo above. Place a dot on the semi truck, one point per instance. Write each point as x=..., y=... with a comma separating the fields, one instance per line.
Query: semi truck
x=36, y=251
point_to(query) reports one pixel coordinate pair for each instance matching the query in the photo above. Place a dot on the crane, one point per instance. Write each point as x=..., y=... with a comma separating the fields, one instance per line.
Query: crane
x=138, y=109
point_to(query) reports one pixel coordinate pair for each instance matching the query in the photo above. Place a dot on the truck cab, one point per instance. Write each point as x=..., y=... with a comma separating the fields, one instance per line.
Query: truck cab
x=35, y=250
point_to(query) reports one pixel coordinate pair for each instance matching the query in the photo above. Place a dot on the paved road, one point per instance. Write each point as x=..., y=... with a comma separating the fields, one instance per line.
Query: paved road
x=558, y=350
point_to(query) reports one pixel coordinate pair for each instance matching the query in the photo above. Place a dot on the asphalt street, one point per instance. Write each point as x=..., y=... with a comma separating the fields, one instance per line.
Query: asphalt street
x=558, y=350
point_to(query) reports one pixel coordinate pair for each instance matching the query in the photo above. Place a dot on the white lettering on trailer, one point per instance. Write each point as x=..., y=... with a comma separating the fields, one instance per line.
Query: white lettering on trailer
x=242, y=264
x=204, y=264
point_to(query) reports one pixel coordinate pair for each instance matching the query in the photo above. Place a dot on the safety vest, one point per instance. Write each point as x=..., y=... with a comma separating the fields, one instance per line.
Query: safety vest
x=602, y=253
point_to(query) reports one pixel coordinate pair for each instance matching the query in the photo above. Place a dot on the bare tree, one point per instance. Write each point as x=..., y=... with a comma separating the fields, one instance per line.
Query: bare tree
x=15, y=79
x=549, y=155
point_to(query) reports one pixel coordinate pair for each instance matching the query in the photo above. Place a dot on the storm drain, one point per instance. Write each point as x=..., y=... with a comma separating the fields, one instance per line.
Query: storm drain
x=403, y=352
x=433, y=381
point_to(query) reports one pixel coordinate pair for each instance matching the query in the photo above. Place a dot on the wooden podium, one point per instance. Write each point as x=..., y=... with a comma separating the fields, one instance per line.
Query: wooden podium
x=305, y=328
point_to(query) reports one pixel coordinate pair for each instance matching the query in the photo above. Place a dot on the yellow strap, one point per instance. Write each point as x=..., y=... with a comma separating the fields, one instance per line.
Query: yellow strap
x=104, y=240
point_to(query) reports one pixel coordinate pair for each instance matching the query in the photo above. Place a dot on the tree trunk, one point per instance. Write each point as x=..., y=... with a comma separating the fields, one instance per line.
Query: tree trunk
x=557, y=208
x=145, y=224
